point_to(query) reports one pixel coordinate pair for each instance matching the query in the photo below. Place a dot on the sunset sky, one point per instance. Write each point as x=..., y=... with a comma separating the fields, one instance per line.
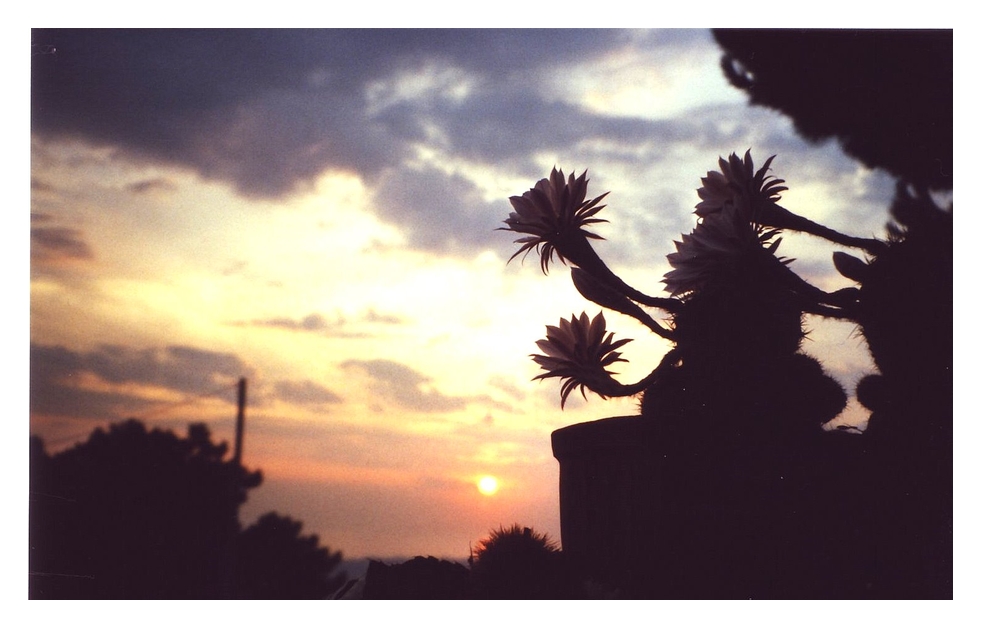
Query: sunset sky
x=316, y=211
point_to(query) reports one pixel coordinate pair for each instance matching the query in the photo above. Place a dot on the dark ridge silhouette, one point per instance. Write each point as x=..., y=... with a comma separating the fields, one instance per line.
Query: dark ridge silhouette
x=886, y=94
x=144, y=514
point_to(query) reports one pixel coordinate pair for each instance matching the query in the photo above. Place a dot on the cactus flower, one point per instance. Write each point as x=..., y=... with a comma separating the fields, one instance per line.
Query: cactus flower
x=578, y=351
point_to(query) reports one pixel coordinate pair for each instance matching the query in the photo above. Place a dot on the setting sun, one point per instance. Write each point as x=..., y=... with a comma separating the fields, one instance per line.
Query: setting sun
x=487, y=485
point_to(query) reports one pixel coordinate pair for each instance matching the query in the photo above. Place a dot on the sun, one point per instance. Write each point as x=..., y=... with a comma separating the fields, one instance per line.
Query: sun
x=487, y=485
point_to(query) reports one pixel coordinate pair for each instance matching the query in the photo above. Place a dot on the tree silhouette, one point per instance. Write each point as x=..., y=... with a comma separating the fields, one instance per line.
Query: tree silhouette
x=144, y=514
x=276, y=563
x=887, y=95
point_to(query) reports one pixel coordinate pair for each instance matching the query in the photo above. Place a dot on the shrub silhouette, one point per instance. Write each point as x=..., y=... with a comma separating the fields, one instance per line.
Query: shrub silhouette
x=517, y=563
x=276, y=563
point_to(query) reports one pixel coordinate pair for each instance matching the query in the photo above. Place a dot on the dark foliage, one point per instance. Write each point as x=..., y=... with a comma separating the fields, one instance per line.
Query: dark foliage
x=422, y=578
x=739, y=446
x=276, y=563
x=514, y=563
x=886, y=94
x=906, y=314
x=138, y=514
x=517, y=563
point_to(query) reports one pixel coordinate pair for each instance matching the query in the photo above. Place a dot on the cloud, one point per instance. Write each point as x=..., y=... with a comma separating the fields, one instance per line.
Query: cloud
x=338, y=327
x=56, y=244
x=39, y=185
x=412, y=112
x=371, y=316
x=438, y=211
x=404, y=386
x=508, y=386
x=177, y=367
x=149, y=186
x=447, y=211
x=305, y=392
x=311, y=322
x=506, y=125
x=54, y=371
x=269, y=110
x=58, y=373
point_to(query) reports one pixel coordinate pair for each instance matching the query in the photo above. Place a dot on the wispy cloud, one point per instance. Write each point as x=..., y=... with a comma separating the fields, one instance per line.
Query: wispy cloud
x=305, y=392
x=338, y=326
x=508, y=386
x=61, y=378
x=154, y=185
x=54, y=244
x=404, y=386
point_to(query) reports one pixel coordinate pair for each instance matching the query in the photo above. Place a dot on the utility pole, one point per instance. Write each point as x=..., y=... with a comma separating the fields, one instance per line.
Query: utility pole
x=240, y=423
x=228, y=585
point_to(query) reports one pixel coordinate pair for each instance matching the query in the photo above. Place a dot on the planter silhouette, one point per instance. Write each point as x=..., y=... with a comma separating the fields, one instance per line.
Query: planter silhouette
x=608, y=487
x=651, y=513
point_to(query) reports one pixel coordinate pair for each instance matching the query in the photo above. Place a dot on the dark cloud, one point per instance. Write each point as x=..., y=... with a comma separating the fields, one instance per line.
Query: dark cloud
x=438, y=211
x=496, y=126
x=404, y=386
x=181, y=368
x=269, y=110
x=262, y=109
x=305, y=392
x=38, y=185
x=53, y=244
x=57, y=373
x=51, y=391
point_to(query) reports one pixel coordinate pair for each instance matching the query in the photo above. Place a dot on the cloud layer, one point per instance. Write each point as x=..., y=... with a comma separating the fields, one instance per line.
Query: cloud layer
x=268, y=110
x=415, y=114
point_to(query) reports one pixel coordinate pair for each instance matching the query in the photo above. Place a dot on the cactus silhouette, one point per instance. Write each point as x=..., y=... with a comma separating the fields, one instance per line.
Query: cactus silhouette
x=905, y=309
x=518, y=563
